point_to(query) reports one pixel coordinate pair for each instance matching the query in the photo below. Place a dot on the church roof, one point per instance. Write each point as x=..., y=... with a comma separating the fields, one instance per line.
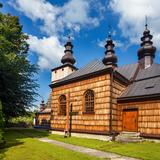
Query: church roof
x=146, y=84
x=97, y=66
x=46, y=110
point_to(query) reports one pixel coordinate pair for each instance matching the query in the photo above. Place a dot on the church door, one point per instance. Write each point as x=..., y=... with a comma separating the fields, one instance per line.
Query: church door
x=130, y=120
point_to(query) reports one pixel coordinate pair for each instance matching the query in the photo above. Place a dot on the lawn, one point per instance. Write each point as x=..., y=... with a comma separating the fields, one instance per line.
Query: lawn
x=143, y=150
x=23, y=145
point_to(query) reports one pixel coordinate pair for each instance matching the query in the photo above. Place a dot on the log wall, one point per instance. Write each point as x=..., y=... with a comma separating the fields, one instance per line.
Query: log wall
x=92, y=123
x=117, y=90
x=148, y=117
x=42, y=118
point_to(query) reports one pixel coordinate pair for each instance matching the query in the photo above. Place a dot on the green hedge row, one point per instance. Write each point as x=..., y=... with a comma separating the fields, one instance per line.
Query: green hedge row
x=25, y=121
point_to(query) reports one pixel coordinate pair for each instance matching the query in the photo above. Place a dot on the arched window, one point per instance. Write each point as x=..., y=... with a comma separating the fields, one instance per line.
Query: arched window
x=62, y=104
x=89, y=101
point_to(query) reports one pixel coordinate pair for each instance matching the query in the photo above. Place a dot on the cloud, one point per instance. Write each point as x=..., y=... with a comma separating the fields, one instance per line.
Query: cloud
x=53, y=21
x=72, y=15
x=49, y=50
x=132, y=18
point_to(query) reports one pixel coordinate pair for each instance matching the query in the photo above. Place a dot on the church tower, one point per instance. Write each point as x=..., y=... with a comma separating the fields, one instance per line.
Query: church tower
x=110, y=58
x=68, y=62
x=146, y=52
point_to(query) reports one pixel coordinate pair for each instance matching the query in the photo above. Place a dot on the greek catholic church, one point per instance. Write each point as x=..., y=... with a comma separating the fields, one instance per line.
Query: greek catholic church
x=103, y=98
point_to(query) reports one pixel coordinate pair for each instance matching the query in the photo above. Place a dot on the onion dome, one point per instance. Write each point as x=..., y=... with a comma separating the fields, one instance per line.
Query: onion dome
x=68, y=57
x=110, y=57
x=146, y=49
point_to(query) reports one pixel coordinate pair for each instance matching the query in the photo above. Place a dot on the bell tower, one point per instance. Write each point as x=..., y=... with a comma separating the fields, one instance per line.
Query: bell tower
x=110, y=59
x=67, y=61
x=146, y=52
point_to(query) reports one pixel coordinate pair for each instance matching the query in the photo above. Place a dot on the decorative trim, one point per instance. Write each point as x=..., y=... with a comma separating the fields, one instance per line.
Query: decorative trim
x=64, y=65
x=139, y=98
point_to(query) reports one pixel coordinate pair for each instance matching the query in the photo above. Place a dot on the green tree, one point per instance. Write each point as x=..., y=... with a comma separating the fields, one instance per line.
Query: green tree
x=1, y=124
x=18, y=86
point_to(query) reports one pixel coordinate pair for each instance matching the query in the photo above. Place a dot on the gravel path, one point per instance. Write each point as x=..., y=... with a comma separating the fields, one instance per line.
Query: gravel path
x=85, y=150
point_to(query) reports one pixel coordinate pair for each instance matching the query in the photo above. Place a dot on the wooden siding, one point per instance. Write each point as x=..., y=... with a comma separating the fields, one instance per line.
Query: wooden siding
x=41, y=118
x=148, y=116
x=116, y=92
x=97, y=122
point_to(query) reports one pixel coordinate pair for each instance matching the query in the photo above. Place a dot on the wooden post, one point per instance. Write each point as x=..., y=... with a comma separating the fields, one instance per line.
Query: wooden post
x=67, y=116
x=70, y=124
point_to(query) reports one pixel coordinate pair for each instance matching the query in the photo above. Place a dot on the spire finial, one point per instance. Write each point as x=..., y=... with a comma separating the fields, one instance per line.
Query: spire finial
x=42, y=101
x=68, y=57
x=109, y=31
x=69, y=38
x=146, y=21
x=110, y=58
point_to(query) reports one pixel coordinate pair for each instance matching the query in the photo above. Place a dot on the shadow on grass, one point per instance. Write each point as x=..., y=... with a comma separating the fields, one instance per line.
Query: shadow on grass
x=16, y=137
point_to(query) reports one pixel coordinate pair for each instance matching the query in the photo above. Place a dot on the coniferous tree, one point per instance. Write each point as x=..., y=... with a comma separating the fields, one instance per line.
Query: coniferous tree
x=17, y=84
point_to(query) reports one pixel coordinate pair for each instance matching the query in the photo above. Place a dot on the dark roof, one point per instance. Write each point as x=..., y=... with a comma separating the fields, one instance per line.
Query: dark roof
x=147, y=83
x=152, y=71
x=128, y=70
x=141, y=88
x=97, y=66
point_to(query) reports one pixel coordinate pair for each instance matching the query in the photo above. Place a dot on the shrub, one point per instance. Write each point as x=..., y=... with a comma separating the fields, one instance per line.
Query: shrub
x=22, y=121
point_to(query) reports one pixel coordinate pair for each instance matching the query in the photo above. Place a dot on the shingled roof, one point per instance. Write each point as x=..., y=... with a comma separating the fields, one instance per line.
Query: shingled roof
x=146, y=84
x=96, y=66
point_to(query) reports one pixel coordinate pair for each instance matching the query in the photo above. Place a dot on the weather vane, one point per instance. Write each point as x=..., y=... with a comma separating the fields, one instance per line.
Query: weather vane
x=109, y=31
x=146, y=21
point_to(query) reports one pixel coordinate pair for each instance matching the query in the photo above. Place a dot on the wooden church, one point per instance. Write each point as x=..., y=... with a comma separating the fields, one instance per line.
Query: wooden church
x=102, y=98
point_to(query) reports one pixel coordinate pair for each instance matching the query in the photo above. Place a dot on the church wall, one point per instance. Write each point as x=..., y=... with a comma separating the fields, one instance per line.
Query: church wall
x=117, y=90
x=148, y=117
x=61, y=73
x=91, y=123
x=43, y=119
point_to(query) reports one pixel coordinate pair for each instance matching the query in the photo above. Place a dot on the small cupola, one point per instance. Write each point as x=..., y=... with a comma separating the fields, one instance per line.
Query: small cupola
x=110, y=58
x=146, y=52
x=68, y=57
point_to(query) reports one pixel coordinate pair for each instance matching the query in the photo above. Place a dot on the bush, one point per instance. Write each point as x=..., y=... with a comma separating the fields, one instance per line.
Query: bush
x=25, y=121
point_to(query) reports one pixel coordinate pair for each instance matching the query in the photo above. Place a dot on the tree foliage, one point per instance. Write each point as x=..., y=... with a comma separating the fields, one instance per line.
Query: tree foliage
x=1, y=124
x=17, y=85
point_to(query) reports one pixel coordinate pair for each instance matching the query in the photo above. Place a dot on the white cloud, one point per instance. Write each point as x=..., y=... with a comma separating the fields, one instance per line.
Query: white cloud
x=54, y=20
x=49, y=50
x=132, y=18
x=74, y=14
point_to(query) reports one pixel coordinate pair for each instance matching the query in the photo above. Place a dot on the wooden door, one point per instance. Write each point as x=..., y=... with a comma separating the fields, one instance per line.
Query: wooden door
x=130, y=120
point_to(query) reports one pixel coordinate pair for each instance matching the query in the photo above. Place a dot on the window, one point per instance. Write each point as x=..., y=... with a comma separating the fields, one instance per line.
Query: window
x=62, y=104
x=89, y=101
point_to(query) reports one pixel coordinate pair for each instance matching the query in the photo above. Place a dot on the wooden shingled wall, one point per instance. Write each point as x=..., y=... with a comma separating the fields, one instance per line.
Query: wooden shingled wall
x=93, y=123
x=118, y=88
x=90, y=123
x=148, y=117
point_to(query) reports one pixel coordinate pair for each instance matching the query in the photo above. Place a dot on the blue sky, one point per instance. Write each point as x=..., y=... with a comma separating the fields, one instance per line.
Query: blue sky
x=49, y=22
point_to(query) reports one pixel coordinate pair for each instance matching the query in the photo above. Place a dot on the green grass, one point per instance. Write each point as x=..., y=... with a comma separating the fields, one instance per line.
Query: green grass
x=23, y=145
x=143, y=150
